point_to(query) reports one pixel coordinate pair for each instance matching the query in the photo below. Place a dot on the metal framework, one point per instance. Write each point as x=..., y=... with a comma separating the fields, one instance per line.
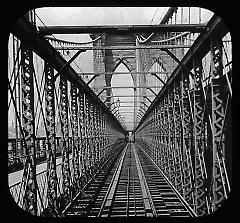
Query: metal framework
x=185, y=126
x=88, y=132
x=185, y=130
x=121, y=29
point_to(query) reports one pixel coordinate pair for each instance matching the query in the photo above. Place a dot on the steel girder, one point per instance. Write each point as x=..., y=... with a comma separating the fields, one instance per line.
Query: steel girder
x=185, y=129
x=88, y=136
x=220, y=186
x=201, y=200
x=199, y=48
x=51, y=145
x=178, y=143
x=29, y=172
x=64, y=116
x=187, y=139
x=75, y=135
x=122, y=29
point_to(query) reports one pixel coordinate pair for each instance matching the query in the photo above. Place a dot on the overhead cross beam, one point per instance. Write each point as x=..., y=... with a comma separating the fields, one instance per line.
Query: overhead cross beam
x=122, y=47
x=129, y=106
x=123, y=73
x=127, y=29
x=110, y=87
x=127, y=96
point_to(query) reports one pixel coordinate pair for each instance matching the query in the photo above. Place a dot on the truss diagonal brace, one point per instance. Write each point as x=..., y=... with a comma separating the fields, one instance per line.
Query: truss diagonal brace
x=154, y=74
x=144, y=103
x=152, y=91
x=92, y=79
x=177, y=60
x=101, y=92
x=68, y=63
x=147, y=99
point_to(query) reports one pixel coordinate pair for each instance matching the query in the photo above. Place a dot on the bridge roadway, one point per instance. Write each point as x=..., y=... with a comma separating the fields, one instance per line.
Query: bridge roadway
x=129, y=184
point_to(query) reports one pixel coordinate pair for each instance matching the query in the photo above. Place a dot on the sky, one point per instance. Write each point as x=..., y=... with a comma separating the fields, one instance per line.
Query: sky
x=100, y=15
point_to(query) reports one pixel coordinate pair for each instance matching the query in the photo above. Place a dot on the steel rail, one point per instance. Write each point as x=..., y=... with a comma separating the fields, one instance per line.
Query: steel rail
x=148, y=202
x=100, y=170
x=107, y=202
x=123, y=200
x=191, y=211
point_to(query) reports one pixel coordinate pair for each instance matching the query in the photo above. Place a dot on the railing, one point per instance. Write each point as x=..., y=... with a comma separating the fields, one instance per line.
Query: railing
x=16, y=155
x=42, y=180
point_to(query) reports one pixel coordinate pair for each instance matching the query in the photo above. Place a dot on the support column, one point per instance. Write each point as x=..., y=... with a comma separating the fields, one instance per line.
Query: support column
x=28, y=125
x=220, y=189
x=187, y=142
x=75, y=146
x=51, y=144
x=66, y=198
x=201, y=204
x=171, y=146
x=178, y=138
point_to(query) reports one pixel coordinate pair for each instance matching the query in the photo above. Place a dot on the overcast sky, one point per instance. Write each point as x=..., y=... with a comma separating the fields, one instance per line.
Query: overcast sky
x=100, y=15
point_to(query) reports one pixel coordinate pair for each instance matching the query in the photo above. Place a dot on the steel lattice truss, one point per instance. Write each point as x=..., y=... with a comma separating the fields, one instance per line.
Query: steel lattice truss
x=186, y=129
x=185, y=133
x=85, y=142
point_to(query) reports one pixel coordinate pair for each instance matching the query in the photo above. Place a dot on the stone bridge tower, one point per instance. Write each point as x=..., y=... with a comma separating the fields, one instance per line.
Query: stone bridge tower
x=108, y=60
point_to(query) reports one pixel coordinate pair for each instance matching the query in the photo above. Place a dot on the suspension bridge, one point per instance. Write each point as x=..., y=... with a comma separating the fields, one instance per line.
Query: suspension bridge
x=157, y=145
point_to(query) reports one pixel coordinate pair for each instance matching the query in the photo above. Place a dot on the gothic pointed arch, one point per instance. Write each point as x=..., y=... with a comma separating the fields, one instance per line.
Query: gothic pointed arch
x=128, y=65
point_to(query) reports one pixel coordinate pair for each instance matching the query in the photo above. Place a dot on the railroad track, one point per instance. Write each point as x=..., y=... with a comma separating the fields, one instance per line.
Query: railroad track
x=162, y=193
x=130, y=184
x=89, y=202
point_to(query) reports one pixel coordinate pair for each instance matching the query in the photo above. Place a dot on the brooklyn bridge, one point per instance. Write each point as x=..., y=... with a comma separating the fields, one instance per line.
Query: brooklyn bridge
x=120, y=112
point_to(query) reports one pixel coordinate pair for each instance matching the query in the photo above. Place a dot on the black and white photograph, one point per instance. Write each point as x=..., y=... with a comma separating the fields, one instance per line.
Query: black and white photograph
x=119, y=112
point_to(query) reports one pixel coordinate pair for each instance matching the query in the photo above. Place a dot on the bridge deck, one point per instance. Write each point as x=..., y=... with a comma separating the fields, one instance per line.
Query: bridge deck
x=129, y=185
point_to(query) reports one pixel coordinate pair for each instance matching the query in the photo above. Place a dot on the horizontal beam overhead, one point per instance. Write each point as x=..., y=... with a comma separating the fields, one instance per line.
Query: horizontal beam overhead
x=124, y=73
x=84, y=48
x=127, y=87
x=128, y=29
x=133, y=121
x=129, y=106
x=124, y=102
x=127, y=96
